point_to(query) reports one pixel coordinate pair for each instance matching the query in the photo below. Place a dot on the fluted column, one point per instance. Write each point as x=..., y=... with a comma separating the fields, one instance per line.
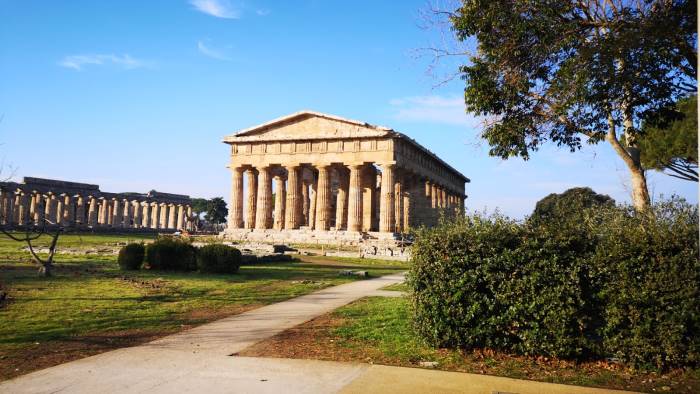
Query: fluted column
x=323, y=199
x=163, y=220
x=305, y=203
x=280, y=197
x=155, y=215
x=39, y=209
x=406, y=211
x=4, y=206
x=32, y=208
x=180, y=217
x=236, y=215
x=171, y=216
x=341, y=202
x=252, y=198
x=146, y=215
x=127, y=214
x=80, y=218
x=263, y=214
x=369, y=181
x=92, y=211
x=136, y=213
x=312, y=204
x=355, y=198
x=117, y=213
x=386, y=202
x=398, y=206
x=23, y=218
x=292, y=210
x=68, y=211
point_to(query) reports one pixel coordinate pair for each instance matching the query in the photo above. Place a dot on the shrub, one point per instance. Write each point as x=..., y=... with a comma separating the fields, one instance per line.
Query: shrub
x=171, y=254
x=606, y=282
x=218, y=258
x=131, y=256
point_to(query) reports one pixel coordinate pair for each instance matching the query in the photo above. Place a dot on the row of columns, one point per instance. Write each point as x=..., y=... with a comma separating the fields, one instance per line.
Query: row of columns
x=364, y=199
x=32, y=208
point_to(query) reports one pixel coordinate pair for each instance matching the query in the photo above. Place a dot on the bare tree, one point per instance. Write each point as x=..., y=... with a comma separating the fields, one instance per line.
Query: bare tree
x=29, y=233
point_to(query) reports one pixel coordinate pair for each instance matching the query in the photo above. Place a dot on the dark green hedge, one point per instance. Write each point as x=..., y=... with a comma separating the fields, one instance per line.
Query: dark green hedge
x=607, y=283
x=131, y=256
x=218, y=258
x=171, y=254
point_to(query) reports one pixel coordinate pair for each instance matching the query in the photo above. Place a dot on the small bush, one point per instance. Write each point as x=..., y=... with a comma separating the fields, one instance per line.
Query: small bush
x=606, y=282
x=131, y=256
x=218, y=258
x=171, y=254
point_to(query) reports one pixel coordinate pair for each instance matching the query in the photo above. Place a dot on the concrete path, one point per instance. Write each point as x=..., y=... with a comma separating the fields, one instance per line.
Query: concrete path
x=198, y=352
x=200, y=361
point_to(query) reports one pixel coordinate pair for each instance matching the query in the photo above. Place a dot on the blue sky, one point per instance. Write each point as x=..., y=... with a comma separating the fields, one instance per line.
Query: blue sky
x=136, y=95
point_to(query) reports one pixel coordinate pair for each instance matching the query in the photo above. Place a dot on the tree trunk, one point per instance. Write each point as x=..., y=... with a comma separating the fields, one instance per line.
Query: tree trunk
x=631, y=156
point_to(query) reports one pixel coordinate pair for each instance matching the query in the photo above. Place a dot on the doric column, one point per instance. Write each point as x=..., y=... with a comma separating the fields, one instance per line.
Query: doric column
x=39, y=209
x=406, y=211
x=68, y=211
x=23, y=209
x=117, y=213
x=236, y=215
x=398, y=206
x=369, y=180
x=92, y=210
x=263, y=214
x=146, y=215
x=155, y=215
x=58, y=219
x=171, y=216
x=80, y=211
x=386, y=202
x=188, y=216
x=305, y=203
x=126, y=223
x=110, y=213
x=312, y=204
x=433, y=195
x=4, y=204
x=355, y=198
x=180, y=216
x=136, y=209
x=163, y=219
x=323, y=199
x=32, y=208
x=280, y=197
x=341, y=201
x=292, y=212
x=252, y=198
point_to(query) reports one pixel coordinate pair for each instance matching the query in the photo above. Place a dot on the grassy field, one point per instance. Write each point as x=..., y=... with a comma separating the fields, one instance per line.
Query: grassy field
x=378, y=330
x=90, y=306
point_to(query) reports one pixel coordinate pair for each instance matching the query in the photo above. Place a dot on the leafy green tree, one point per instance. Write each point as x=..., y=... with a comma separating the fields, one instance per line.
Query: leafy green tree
x=672, y=146
x=216, y=210
x=199, y=205
x=574, y=71
x=568, y=206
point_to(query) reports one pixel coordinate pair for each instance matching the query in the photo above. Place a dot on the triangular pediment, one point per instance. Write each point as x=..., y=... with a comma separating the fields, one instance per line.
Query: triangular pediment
x=307, y=125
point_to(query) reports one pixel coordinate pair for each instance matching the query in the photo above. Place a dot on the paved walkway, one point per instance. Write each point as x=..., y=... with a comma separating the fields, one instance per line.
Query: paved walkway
x=200, y=361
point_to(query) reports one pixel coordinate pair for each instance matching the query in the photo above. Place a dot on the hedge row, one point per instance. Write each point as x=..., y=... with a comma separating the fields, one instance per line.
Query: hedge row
x=172, y=254
x=605, y=283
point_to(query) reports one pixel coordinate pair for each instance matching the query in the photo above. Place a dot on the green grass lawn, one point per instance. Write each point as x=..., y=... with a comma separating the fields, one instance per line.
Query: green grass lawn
x=378, y=330
x=89, y=297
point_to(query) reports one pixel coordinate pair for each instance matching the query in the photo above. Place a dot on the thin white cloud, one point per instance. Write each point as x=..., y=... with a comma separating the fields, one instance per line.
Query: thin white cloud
x=216, y=8
x=78, y=62
x=433, y=109
x=212, y=52
x=262, y=12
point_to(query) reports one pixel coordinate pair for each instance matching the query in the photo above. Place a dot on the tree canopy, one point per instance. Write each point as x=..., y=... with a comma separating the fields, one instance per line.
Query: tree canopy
x=671, y=146
x=216, y=210
x=569, y=204
x=576, y=71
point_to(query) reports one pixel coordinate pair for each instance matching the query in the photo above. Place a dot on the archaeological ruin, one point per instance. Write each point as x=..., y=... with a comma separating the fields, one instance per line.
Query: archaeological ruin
x=318, y=178
x=82, y=206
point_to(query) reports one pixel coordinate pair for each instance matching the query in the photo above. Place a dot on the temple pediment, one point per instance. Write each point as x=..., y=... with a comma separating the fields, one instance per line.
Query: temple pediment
x=308, y=125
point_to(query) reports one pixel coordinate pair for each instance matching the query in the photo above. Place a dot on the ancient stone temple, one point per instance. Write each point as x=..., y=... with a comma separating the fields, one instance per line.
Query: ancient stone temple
x=72, y=205
x=313, y=177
